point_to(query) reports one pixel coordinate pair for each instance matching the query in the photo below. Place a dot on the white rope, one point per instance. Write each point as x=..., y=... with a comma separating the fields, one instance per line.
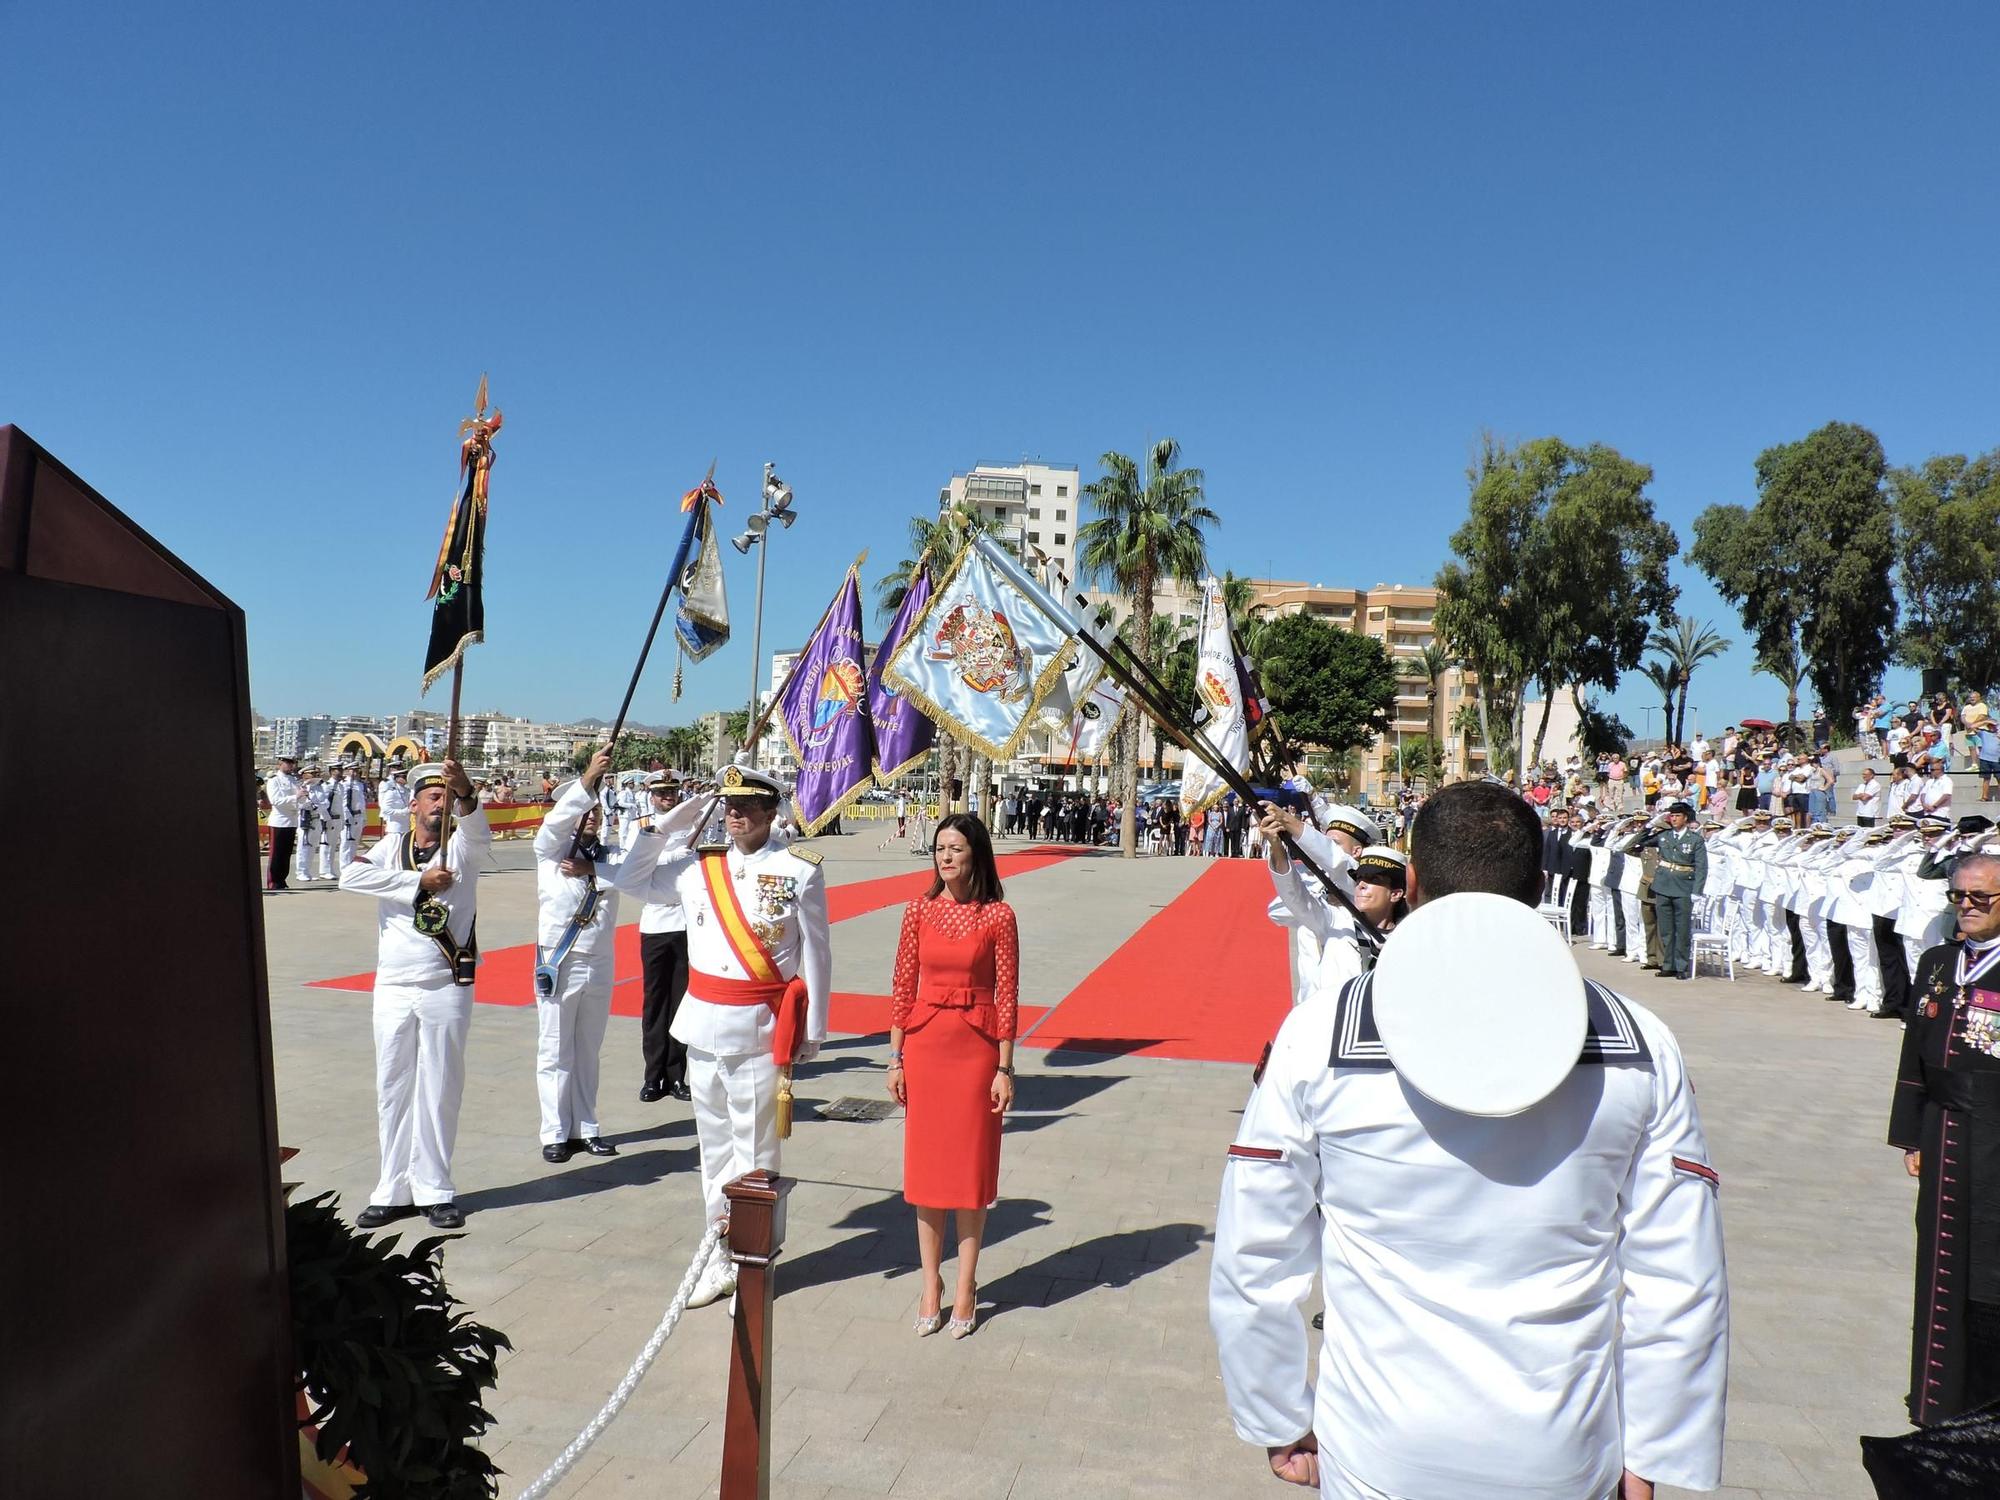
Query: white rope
x=596, y=1425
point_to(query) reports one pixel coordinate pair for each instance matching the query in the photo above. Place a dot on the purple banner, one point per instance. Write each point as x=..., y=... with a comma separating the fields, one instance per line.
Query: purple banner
x=823, y=707
x=903, y=735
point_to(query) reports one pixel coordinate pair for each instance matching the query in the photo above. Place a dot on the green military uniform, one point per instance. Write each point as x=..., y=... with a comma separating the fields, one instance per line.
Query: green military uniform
x=1649, y=865
x=1682, y=872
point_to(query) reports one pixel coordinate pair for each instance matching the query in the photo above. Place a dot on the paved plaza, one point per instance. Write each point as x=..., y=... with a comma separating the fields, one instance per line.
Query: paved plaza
x=1092, y=1372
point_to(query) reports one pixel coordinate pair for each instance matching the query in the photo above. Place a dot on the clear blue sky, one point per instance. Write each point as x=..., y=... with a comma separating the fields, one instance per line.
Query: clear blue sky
x=256, y=259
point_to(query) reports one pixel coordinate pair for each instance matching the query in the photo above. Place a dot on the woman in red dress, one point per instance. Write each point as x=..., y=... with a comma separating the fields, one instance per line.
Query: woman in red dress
x=951, y=1056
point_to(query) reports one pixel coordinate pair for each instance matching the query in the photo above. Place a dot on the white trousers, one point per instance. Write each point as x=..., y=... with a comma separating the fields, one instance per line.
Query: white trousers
x=1635, y=928
x=569, y=1041
x=419, y=1079
x=1867, y=964
x=1603, y=926
x=1819, y=952
x=1778, y=958
x=350, y=841
x=735, y=1102
x=1913, y=949
x=302, y=855
x=1337, y=1482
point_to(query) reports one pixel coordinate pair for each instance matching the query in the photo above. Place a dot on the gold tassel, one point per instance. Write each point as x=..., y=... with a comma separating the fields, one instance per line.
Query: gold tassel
x=784, y=1104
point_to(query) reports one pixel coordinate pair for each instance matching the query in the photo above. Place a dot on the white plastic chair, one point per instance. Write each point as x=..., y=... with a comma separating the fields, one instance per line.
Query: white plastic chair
x=1557, y=916
x=1707, y=939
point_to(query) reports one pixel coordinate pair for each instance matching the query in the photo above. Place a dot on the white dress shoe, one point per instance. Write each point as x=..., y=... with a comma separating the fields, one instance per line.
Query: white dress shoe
x=718, y=1280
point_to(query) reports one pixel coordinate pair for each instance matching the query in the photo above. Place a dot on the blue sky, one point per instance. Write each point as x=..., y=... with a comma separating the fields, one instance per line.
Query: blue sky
x=258, y=258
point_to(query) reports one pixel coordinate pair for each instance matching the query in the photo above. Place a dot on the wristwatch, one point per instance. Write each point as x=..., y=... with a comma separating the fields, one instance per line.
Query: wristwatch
x=1007, y=1068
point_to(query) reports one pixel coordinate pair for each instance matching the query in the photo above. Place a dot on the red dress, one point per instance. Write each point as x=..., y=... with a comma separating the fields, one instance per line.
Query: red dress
x=957, y=980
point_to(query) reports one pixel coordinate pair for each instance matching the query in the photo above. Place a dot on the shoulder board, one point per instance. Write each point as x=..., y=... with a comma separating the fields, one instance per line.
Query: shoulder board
x=810, y=856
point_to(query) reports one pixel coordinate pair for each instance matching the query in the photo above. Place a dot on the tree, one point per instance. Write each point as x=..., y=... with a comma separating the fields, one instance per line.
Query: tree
x=1150, y=525
x=1562, y=572
x=1328, y=687
x=1420, y=758
x=1666, y=678
x=1599, y=731
x=1686, y=647
x=1783, y=662
x=1947, y=514
x=935, y=540
x=1809, y=565
x=1433, y=662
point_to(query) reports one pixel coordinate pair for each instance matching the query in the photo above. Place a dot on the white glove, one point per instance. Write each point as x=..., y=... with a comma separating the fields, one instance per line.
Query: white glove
x=805, y=1052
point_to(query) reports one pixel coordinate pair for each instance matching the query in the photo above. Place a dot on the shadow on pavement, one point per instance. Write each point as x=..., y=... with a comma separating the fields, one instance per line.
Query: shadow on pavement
x=1047, y=1091
x=572, y=1180
x=1110, y=1260
x=1081, y=1051
x=887, y=1242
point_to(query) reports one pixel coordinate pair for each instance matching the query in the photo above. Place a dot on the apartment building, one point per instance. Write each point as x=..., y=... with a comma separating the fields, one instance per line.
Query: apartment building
x=1034, y=504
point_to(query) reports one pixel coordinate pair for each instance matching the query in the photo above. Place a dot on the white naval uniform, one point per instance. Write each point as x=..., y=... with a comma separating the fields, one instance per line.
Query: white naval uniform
x=394, y=798
x=1603, y=924
x=732, y=1079
x=421, y=1016
x=347, y=805
x=1516, y=1308
x=312, y=825
x=284, y=793
x=1629, y=876
x=569, y=1025
x=1324, y=940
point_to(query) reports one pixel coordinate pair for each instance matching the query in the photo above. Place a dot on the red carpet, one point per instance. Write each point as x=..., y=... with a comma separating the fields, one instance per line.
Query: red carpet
x=507, y=975
x=1206, y=978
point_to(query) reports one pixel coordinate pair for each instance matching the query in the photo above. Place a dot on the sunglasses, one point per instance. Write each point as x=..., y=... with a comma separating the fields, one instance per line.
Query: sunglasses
x=1977, y=900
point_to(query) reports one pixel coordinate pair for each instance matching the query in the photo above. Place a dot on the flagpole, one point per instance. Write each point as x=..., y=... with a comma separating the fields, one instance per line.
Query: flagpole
x=1194, y=744
x=666, y=595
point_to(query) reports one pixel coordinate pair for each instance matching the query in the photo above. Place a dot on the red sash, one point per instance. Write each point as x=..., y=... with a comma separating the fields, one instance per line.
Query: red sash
x=766, y=985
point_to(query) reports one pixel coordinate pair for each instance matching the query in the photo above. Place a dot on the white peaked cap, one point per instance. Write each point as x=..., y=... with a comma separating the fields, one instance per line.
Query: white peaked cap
x=1480, y=1005
x=1352, y=822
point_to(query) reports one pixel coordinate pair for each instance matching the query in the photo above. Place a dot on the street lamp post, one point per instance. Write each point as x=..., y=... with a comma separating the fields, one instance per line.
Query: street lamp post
x=1647, y=710
x=757, y=528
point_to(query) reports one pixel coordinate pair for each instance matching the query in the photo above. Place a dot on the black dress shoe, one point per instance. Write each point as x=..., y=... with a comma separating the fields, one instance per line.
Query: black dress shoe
x=653, y=1092
x=444, y=1216
x=597, y=1145
x=680, y=1091
x=375, y=1215
x=557, y=1152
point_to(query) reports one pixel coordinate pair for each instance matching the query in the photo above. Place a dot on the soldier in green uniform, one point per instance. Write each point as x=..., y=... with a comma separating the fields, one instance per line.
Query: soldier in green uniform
x=1682, y=872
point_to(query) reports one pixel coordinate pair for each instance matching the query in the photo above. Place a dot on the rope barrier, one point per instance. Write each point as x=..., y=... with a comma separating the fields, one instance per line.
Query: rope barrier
x=594, y=1428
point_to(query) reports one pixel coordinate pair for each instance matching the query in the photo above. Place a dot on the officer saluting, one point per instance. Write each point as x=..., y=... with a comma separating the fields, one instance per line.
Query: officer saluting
x=426, y=888
x=1682, y=872
x=760, y=968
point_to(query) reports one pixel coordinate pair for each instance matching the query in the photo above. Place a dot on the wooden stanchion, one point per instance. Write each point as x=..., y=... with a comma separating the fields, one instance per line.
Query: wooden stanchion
x=756, y=1234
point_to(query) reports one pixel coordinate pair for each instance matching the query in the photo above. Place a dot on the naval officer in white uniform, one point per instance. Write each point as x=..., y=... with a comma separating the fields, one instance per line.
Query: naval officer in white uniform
x=577, y=883
x=760, y=970
x=394, y=799
x=1327, y=945
x=1498, y=1172
x=426, y=949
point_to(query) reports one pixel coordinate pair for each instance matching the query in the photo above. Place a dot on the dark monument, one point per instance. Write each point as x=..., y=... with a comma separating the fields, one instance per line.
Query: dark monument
x=144, y=1324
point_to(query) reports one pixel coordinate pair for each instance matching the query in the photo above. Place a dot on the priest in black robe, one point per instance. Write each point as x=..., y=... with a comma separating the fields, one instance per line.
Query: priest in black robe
x=1946, y=1117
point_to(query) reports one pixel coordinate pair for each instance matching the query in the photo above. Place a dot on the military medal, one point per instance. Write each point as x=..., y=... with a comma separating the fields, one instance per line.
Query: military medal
x=429, y=915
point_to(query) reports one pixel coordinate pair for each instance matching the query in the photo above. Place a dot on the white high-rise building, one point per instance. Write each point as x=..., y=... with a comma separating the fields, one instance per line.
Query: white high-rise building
x=1035, y=505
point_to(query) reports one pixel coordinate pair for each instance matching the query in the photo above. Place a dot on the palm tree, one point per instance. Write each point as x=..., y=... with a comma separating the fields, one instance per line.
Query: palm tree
x=1149, y=526
x=1687, y=648
x=935, y=539
x=1432, y=663
x=1238, y=594
x=1789, y=670
x=1663, y=676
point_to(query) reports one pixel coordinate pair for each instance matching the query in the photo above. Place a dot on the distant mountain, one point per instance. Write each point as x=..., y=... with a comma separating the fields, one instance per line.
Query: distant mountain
x=630, y=727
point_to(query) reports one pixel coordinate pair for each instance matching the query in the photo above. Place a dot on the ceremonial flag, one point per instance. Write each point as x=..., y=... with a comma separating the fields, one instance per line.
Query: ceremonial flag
x=458, y=618
x=986, y=651
x=823, y=708
x=1218, y=707
x=903, y=736
x=1256, y=706
x=1091, y=726
x=702, y=620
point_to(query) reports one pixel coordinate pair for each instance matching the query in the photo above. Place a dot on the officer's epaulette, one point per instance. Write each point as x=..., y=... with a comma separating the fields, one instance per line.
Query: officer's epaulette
x=718, y=847
x=810, y=856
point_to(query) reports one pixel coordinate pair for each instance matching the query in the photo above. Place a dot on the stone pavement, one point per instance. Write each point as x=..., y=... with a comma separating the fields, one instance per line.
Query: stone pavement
x=1092, y=1372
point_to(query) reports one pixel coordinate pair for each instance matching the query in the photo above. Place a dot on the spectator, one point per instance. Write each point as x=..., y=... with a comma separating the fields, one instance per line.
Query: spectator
x=1986, y=751
x=1936, y=792
x=1867, y=798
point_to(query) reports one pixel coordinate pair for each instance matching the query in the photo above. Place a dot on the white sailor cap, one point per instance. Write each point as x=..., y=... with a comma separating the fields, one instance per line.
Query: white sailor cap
x=661, y=780
x=1351, y=821
x=747, y=781
x=430, y=773
x=1381, y=865
x=1479, y=1004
